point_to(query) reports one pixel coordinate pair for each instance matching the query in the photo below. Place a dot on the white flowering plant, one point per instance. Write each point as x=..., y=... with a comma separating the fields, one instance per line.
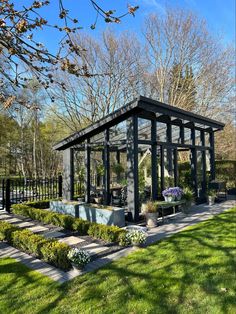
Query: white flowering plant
x=136, y=237
x=79, y=257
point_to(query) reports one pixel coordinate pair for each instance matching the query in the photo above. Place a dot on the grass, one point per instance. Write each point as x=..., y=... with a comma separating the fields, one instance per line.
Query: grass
x=190, y=272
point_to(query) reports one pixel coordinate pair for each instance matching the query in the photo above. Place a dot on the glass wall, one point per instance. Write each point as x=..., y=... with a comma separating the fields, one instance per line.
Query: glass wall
x=161, y=132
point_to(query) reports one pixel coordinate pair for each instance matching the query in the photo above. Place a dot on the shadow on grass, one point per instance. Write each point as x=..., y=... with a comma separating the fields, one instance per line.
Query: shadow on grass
x=192, y=271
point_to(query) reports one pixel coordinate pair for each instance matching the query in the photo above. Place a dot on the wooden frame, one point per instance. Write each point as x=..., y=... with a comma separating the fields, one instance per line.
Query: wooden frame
x=155, y=112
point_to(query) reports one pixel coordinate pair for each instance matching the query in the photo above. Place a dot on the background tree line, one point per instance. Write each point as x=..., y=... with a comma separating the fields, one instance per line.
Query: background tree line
x=175, y=60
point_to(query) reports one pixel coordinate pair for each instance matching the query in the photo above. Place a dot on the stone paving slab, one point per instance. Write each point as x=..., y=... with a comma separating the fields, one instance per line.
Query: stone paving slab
x=24, y=224
x=71, y=240
x=53, y=234
x=5, y=216
x=177, y=223
x=13, y=220
x=37, y=229
x=94, y=248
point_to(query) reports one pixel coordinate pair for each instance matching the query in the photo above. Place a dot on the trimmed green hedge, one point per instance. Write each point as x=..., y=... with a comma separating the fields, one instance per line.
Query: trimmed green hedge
x=49, y=250
x=225, y=171
x=106, y=233
x=43, y=204
x=83, y=227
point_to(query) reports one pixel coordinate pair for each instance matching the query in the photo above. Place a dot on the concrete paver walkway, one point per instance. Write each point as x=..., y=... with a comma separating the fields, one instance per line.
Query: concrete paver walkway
x=173, y=225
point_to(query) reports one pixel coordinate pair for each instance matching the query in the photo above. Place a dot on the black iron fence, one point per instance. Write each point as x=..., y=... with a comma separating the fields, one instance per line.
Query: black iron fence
x=13, y=191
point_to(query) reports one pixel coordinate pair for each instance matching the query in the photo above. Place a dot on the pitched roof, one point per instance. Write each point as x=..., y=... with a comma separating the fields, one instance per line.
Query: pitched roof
x=138, y=105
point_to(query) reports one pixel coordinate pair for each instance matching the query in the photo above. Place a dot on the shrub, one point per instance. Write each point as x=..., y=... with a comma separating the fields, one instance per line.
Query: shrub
x=188, y=195
x=151, y=207
x=56, y=253
x=81, y=226
x=43, y=204
x=49, y=250
x=60, y=220
x=29, y=242
x=6, y=230
x=136, y=237
x=79, y=257
x=106, y=233
x=123, y=240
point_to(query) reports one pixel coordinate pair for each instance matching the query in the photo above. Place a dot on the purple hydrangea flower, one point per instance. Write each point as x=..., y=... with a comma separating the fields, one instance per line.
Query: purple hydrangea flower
x=174, y=191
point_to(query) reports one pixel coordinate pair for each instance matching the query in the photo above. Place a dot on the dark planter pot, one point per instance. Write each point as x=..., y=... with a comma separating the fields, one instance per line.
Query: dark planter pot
x=232, y=191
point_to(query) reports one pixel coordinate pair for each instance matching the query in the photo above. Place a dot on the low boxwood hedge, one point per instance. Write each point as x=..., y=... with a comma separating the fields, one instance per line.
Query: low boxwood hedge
x=39, y=204
x=49, y=250
x=83, y=227
x=106, y=233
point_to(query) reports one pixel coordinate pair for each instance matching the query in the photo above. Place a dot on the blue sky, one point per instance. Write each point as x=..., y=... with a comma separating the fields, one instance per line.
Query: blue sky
x=219, y=14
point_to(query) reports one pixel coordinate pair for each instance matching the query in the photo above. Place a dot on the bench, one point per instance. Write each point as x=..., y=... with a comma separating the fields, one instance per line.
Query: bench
x=166, y=205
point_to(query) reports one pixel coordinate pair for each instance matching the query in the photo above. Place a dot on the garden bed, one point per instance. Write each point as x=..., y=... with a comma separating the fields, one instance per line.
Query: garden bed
x=107, y=215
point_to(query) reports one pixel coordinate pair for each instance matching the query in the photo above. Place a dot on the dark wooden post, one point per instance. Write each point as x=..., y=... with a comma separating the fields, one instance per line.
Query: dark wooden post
x=118, y=161
x=212, y=156
x=8, y=195
x=154, y=159
x=68, y=174
x=60, y=185
x=175, y=152
x=106, y=168
x=204, y=178
x=169, y=150
x=193, y=160
x=181, y=134
x=3, y=194
x=132, y=167
x=87, y=170
x=162, y=162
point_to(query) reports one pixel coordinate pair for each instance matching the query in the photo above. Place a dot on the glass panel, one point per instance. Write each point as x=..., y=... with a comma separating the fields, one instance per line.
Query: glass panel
x=118, y=133
x=161, y=132
x=199, y=173
x=144, y=172
x=169, y=168
x=187, y=136
x=207, y=139
x=175, y=134
x=184, y=168
x=198, y=138
x=118, y=168
x=144, y=129
x=79, y=172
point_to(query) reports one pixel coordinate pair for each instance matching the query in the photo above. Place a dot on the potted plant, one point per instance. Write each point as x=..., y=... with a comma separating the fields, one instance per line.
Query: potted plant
x=136, y=237
x=98, y=199
x=211, y=195
x=117, y=169
x=188, y=197
x=79, y=258
x=172, y=194
x=168, y=195
x=151, y=212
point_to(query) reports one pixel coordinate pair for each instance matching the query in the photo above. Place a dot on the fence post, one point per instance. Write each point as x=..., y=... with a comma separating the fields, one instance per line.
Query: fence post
x=3, y=193
x=60, y=185
x=8, y=197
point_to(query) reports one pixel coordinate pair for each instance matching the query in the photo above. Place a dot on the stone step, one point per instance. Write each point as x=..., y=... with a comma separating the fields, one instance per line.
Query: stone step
x=24, y=224
x=13, y=220
x=5, y=216
x=71, y=240
x=94, y=248
x=36, y=229
x=53, y=234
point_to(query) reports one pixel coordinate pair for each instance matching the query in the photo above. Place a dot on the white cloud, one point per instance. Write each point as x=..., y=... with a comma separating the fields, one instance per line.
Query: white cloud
x=155, y=4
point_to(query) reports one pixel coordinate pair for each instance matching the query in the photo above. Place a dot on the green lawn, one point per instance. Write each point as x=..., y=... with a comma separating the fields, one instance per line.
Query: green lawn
x=191, y=272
